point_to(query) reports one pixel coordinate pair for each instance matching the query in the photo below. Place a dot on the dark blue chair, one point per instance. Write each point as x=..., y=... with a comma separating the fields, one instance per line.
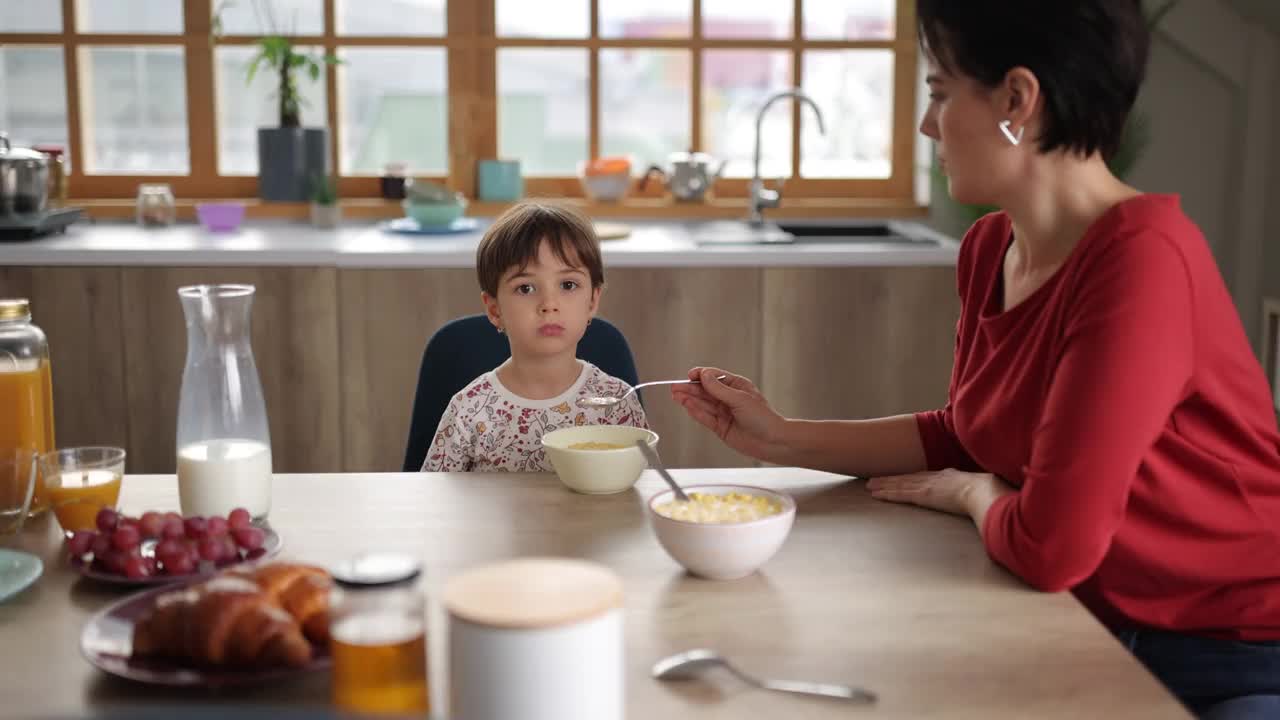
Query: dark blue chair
x=464, y=349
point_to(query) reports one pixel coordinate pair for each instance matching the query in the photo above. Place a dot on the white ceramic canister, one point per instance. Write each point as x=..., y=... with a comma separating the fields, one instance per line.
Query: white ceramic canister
x=536, y=639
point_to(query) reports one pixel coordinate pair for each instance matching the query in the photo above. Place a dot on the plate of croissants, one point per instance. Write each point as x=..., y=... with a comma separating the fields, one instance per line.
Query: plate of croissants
x=242, y=626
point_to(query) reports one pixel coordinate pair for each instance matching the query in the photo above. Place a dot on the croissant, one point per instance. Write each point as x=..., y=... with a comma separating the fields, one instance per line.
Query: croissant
x=226, y=621
x=302, y=590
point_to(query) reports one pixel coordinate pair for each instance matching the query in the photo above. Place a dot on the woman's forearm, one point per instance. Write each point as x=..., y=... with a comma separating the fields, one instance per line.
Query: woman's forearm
x=882, y=446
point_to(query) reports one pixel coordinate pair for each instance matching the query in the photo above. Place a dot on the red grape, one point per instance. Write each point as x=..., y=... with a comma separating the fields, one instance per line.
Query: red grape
x=100, y=546
x=210, y=549
x=107, y=519
x=81, y=542
x=151, y=524
x=168, y=547
x=250, y=538
x=239, y=518
x=180, y=564
x=170, y=516
x=230, y=551
x=173, y=529
x=135, y=568
x=152, y=567
x=125, y=537
x=116, y=561
x=196, y=527
x=216, y=526
x=255, y=554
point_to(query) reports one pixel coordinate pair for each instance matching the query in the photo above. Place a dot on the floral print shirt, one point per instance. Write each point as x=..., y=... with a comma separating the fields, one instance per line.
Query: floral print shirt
x=487, y=428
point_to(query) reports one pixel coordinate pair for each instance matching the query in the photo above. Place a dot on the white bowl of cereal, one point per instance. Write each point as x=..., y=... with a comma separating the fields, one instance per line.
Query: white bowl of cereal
x=598, y=459
x=724, y=532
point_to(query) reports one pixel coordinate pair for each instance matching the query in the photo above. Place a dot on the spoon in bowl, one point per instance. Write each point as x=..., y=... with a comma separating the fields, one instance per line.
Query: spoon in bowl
x=608, y=402
x=693, y=662
x=656, y=463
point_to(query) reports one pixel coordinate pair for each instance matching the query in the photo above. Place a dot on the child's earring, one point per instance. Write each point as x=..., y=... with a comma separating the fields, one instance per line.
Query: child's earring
x=498, y=328
x=1014, y=139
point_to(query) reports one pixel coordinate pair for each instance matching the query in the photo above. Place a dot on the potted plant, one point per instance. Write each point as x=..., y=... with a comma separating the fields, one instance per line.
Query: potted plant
x=288, y=155
x=325, y=211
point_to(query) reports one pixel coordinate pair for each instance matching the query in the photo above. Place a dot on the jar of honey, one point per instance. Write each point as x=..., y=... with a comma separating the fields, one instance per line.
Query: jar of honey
x=378, y=636
x=26, y=388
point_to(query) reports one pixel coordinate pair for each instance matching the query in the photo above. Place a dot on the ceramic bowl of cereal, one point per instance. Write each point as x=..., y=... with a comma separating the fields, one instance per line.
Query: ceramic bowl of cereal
x=598, y=459
x=724, y=532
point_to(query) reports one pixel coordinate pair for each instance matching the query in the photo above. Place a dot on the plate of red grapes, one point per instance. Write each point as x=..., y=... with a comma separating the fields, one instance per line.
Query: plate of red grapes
x=160, y=548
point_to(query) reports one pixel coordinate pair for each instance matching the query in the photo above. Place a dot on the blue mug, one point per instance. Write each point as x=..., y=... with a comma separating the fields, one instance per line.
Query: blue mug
x=499, y=180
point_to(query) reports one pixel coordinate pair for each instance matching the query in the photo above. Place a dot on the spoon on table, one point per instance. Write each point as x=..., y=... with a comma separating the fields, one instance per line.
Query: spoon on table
x=656, y=463
x=605, y=402
x=690, y=663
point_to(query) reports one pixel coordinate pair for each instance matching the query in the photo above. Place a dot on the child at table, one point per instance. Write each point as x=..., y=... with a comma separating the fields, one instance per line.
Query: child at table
x=540, y=277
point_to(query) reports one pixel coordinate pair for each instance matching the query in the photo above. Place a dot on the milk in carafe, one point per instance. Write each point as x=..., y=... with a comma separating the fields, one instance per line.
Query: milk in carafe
x=217, y=476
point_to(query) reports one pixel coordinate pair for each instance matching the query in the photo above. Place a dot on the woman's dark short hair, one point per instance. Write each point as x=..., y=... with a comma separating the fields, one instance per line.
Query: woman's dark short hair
x=1090, y=57
x=512, y=241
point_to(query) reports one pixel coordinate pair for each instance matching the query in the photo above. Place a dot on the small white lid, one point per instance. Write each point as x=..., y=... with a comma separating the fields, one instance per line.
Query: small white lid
x=533, y=593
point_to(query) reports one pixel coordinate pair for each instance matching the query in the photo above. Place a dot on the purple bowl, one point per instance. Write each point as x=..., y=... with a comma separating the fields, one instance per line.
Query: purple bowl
x=220, y=216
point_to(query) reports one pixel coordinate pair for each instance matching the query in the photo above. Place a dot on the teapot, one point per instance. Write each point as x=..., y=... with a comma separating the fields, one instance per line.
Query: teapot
x=690, y=176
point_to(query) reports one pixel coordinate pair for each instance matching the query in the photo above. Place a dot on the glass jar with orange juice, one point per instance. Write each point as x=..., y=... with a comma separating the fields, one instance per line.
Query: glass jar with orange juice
x=81, y=481
x=26, y=388
x=378, y=638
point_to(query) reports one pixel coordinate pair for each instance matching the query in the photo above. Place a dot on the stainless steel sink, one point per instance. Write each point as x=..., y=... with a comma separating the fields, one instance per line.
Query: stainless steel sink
x=806, y=232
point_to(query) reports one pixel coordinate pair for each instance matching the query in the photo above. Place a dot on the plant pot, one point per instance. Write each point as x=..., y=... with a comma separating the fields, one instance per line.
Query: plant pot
x=288, y=159
x=325, y=216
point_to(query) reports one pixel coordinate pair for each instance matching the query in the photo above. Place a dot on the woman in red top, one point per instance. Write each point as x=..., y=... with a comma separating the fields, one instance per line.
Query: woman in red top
x=1108, y=428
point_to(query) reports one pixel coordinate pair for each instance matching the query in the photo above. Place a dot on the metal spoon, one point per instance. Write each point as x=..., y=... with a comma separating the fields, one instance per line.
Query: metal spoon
x=656, y=463
x=690, y=663
x=604, y=402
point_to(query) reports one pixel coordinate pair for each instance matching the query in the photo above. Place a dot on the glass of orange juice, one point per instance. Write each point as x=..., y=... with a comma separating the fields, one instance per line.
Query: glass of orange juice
x=81, y=481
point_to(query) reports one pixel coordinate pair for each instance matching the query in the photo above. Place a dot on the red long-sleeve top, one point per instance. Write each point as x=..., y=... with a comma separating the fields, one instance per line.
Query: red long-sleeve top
x=1122, y=400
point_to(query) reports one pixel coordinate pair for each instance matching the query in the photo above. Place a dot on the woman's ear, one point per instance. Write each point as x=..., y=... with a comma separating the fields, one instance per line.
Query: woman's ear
x=1019, y=97
x=492, y=309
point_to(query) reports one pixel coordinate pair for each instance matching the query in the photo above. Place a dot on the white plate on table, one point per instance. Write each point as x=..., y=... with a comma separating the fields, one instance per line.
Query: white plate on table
x=18, y=570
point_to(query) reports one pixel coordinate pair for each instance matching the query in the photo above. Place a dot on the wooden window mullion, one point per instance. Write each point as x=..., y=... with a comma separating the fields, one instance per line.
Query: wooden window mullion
x=71, y=69
x=695, y=70
x=797, y=80
x=593, y=83
x=202, y=111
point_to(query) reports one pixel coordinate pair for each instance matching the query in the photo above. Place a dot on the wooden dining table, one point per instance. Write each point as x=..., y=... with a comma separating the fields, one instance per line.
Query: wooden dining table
x=899, y=600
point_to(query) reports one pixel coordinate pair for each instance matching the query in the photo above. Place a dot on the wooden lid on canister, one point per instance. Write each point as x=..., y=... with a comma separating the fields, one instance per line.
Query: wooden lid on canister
x=530, y=593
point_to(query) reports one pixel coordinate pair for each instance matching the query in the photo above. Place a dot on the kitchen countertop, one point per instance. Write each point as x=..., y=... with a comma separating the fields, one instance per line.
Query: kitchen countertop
x=365, y=245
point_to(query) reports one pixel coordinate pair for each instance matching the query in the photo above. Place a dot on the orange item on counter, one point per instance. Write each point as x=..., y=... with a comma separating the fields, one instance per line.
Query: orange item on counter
x=608, y=166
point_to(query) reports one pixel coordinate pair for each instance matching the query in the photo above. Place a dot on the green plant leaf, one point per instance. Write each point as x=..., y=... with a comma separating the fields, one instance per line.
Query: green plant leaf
x=314, y=70
x=253, y=67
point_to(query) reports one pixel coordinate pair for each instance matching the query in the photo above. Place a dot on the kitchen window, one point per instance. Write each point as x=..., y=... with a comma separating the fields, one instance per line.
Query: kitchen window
x=139, y=91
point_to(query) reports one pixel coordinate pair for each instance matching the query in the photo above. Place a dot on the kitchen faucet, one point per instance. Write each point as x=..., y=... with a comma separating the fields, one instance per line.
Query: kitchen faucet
x=758, y=196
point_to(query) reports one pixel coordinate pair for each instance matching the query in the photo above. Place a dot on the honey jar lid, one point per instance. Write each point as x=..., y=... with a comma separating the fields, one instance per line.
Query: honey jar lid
x=15, y=309
x=378, y=569
x=532, y=593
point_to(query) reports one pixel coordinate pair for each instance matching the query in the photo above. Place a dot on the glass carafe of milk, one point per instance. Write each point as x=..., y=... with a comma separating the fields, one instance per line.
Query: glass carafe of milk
x=224, y=445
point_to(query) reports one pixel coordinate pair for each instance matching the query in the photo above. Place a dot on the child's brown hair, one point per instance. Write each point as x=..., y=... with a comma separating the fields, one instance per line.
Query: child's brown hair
x=514, y=238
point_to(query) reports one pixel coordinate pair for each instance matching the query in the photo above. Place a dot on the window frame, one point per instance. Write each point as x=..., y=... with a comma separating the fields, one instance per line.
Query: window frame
x=471, y=46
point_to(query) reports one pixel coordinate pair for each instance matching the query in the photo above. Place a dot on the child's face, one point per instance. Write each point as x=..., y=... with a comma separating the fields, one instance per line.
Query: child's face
x=544, y=308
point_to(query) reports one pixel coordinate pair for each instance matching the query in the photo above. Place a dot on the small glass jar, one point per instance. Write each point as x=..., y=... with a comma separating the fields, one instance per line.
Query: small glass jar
x=57, y=174
x=395, y=182
x=156, y=206
x=26, y=389
x=378, y=636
